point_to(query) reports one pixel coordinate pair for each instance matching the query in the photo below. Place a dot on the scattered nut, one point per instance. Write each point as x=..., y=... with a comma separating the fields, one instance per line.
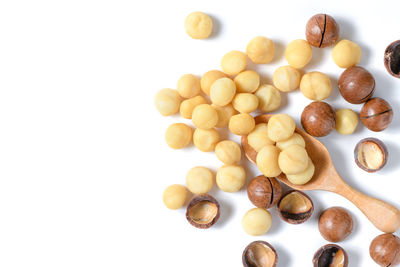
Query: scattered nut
x=174, y=196
x=392, y=59
x=376, y=114
x=222, y=91
x=234, y=62
x=209, y=78
x=316, y=85
x=298, y=53
x=224, y=114
x=202, y=211
x=245, y=102
x=280, y=127
x=259, y=254
x=346, y=54
x=258, y=138
x=241, y=124
x=260, y=50
x=167, y=101
x=335, y=224
x=205, y=140
x=188, y=105
x=247, y=81
x=204, y=116
x=318, y=119
x=231, y=178
x=286, y=78
x=178, y=135
x=198, y=25
x=385, y=250
x=228, y=152
x=267, y=161
x=199, y=180
x=356, y=85
x=295, y=207
x=330, y=255
x=346, y=121
x=302, y=177
x=264, y=192
x=293, y=159
x=370, y=154
x=257, y=221
x=322, y=30
x=188, y=86
x=269, y=98
x=295, y=139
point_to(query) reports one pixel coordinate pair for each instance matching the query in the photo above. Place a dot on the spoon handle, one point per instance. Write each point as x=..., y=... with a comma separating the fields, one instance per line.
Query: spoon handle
x=383, y=215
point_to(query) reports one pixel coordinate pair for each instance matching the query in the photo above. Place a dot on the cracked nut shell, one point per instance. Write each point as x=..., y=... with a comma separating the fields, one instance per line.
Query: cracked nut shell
x=318, y=119
x=392, y=59
x=385, y=250
x=264, y=192
x=259, y=254
x=295, y=207
x=203, y=211
x=376, y=114
x=370, y=154
x=331, y=256
x=335, y=224
x=356, y=85
x=322, y=30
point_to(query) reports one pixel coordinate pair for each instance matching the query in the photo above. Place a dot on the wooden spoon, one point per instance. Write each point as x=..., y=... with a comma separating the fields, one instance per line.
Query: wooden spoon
x=383, y=215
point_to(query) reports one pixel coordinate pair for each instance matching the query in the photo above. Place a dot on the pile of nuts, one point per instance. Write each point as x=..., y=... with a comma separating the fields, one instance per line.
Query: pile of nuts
x=226, y=98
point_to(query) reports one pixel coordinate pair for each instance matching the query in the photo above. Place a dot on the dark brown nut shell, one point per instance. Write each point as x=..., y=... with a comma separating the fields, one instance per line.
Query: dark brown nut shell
x=392, y=59
x=369, y=149
x=257, y=252
x=376, y=114
x=335, y=224
x=356, y=85
x=295, y=207
x=318, y=119
x=322, y=30
x=331, y=255
x=385, y=250
x=203, y=211
x=264, y=192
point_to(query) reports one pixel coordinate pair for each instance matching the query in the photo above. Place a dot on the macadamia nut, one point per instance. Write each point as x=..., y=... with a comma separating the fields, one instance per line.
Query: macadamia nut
x=298, y=53
x=293, y=160
x=267, y=161
x=269, y=98
x=231, y=178
x=224, y=114
x=205, y=140
x=241, y=124
x=204, y=116
x=234, y=62
x=222, y=91
x=188, y=86
x=260, y=50
x=346, y=54
x=174, y=196
x=247, y=81
x=188, y=105
x=199, y=180
x=257, y=221
x=167, y=101
x=286, y=78
x=280, y=127
x=209, y=78
x=346, y=121
x=178, y=135
x=258, y=138
x=316, y=85
x=198, y=25
x=228, y=152
x=303, y=177
x=245, y=102
x=295, y=139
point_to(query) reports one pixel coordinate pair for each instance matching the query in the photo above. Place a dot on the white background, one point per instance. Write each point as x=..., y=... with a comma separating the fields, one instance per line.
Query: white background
x=83, y=162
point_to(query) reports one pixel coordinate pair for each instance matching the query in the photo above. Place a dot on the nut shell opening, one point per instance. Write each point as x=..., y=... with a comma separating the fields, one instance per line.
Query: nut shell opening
x=330, y=256
x=392, y=59
x=259, y=254
x=295, y=207
x=371, y=154
x=203, y=211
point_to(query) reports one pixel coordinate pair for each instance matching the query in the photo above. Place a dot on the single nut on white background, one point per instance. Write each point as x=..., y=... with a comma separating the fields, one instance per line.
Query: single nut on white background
x=260, y=50
x=286, y=78
x=174, y=196
x=228, y=152
x=198, y=25
x=298, y=53
x=316, y=85
x=231, y=178
x=199, y=180
x=178, y=135
x=346, y=121
x=346, y=54
x=269, y=98
x=205, y=140
x=234, y=62
x=257, y=221
x=167, y=101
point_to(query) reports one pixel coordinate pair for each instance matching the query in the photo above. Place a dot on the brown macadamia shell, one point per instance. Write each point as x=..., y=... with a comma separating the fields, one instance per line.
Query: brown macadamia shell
x=264, y=192
x=376, y=114
x=322, y=30
x=318, y=119
x=385, y=250
x=203, y=211
x=259, y=253
x=330, y=255
x=371, y=154
x=392, y=59
x=356, y=85
x=335, y=224
x=295, y=207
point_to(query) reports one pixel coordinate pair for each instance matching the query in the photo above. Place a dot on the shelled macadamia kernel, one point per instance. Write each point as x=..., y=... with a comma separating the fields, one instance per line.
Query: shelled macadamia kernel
x=267, y=161
x=247, y=81
x=209, y=78
x=231, y=178
x=260, y=50
x=298, y=53
x=228, y=152
x=295, y=139
x=241, y=124
x=234, y=62
x=346, y=54
x=245, y=102
x=188, y=105
x=222, y=91
x=257, y=221
x=198, y=25
x=280, y=127
x=167, y=101
x=315, y=85
x=204, y=116
x=188, y=86
x=269, y=98
x=346, y=121
x=199, y=180
x=205, y=140
x=293, y=160
x=286, y=78
x=174, y=196
x=178, y=135
x=224, y=114
x=258, y=138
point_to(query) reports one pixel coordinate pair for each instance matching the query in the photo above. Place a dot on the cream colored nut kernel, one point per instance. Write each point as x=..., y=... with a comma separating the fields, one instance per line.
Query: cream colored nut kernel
x=222, y=91
x=231, y=178
x=293, y=160
x=205, y=140
x=269, y=98
x=174, y=196
x=224, y=114
x=346, y=54
x=204, y=116
x=167, y=101
x=295, y=139
x=303, y=177
x=346, y=121
x=258, y=138
x=188, y=86
x=199, y=180
x=316, y=85
x=234, y=62
x=280, y=127
x=260, y=50
x=228, y=152
x=298, y=53
x=257, y=221
x=247, y=81
x=241, y=124
x=178, y=135
x=286, y=78
x=267, y=161
x=245, y=102
x=188, y=105
x=209, y=78
x=198, y=25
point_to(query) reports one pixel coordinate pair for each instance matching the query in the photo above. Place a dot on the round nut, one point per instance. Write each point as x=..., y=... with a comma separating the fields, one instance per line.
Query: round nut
x=302, y=177
x=222, y=92
x=385, y=250
x=392, y=59
x=241, y=124
x=295, y=207
x=257, y=221
x=202, y=211
x=330, y=255
x=234, y=62
x=231, y=178
x=293, y=160
x=264, y=192
x=298, y=53
x=198, y=25
x=188, y=105
x=224, y=114
x=209, y=78
x=260, y=50
x=258, y=138
x=245, y=102
x=259, y=253
x=188, y=86
x=316, y=85
x=356, y=85
x=295, y=139
x=204, y=116
x=322, y=30
x=280, y=127
x=267, y=161
x=178, y=135
x=199, y=180
x=335, y=224
x=174, y=196
x=346, y=54
x=205, y=140
x=269, y=98
x=286, y=78
x=318, y=119
x=228, y=152
x=247, y=81
x=167, y=101
x=376, y=114
x=346, y=121
x=371, y=154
